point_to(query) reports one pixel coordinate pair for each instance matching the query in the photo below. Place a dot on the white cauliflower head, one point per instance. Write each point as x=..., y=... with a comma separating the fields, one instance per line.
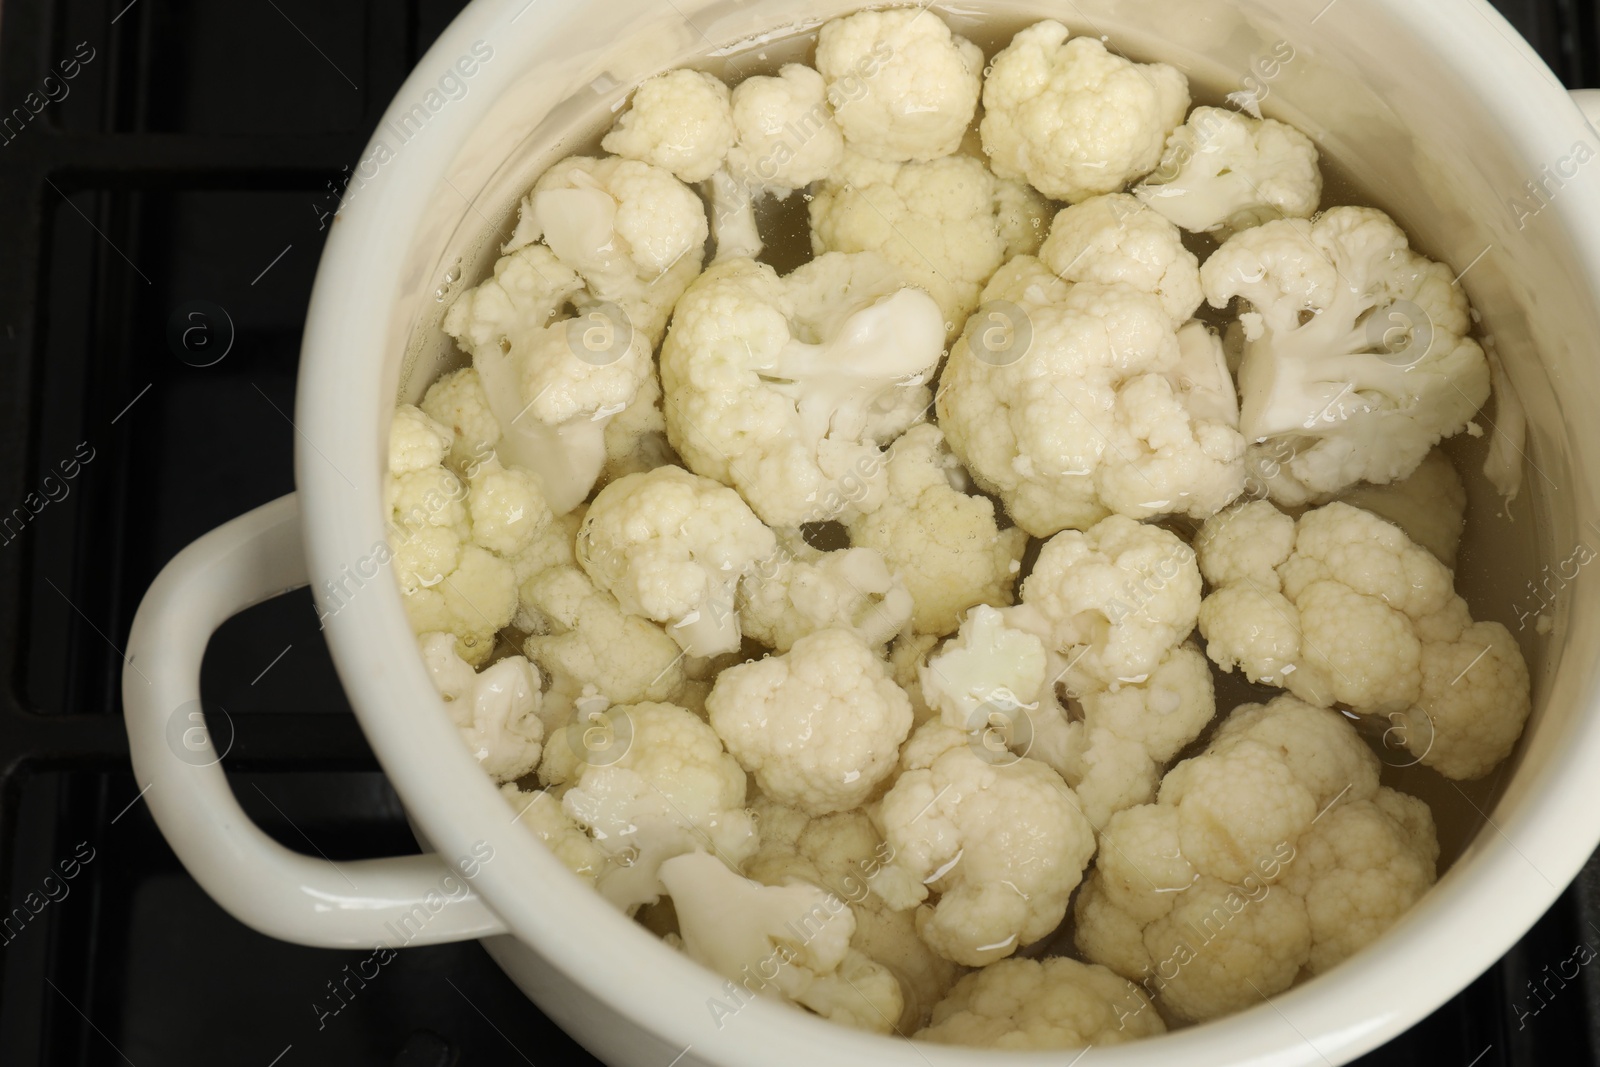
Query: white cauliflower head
x=1359, y=869
x=999, y=843
x=947, y=224
x=1272, y=852
x=634, y=233
x=680, y=121
x=1073, y=119
x=1356, y=360
x=1053, y=1003
x=621, y=240
x=585, y=644
x=771, y=940
x=1115, y=238
x=842, y=853
x=902, y=85
x=819, y=726
x=1071, y=408
x=496, y=710
x=790, y=942
x=787, y=388
x=1223, y=171
x=1116, y=598
x=671, y=546
x=787, y=136
x=801, y=590
x=1341, y=607
x=648, y=782
x=446, y=536
x=1111, y=744
x=458, y=403
x=988, y=672
x=940, y=539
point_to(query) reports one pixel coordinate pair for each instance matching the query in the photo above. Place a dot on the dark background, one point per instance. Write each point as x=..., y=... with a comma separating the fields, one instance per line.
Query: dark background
x=191, y=161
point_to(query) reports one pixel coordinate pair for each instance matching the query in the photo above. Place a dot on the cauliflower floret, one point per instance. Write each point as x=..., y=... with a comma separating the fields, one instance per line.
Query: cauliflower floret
x=621, y=241
x=633, y=232
x=1111, y=744
x=526, y=292
x=506, y=508
x=1230, y=946
x=671, y=546
x=1114, y=599
x=787, y=388
x=1163, y=713
x=450, y=581
x=1223, y=172
x=1359, y=869
x=1357, y=615
x=1273, y=851
x=988, y=672
x=458, y=403
x=680, y=121
x=541, y=814
x=416, y=442
x=1429, y=504
x=1001, y=844
x=1086, y=409
x=1472, y=703
x=801, y=590
x=944, y=223
x=790, y=941
x=549, y=386
x=474, y=601
x=940, y=540
x=428, y=522
x=1115, y=238
x=648, y=782
x=842, y=853
x=1356, y=360
x=901, y=84
x=497, y=710
x=1054, y=1003
x=585, y=643
x=1122, y=690
x=1073, y=119
x=787, y=137
x=819, y=726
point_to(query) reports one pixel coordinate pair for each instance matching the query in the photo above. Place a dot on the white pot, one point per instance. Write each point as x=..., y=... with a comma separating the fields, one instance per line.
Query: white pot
x=1439, y=110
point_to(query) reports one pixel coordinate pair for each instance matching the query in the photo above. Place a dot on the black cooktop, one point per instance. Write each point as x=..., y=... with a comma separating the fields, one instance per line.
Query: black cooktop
x=180, y=162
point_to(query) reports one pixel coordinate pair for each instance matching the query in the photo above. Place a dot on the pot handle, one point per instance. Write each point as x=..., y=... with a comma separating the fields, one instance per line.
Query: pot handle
x=403, y=900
